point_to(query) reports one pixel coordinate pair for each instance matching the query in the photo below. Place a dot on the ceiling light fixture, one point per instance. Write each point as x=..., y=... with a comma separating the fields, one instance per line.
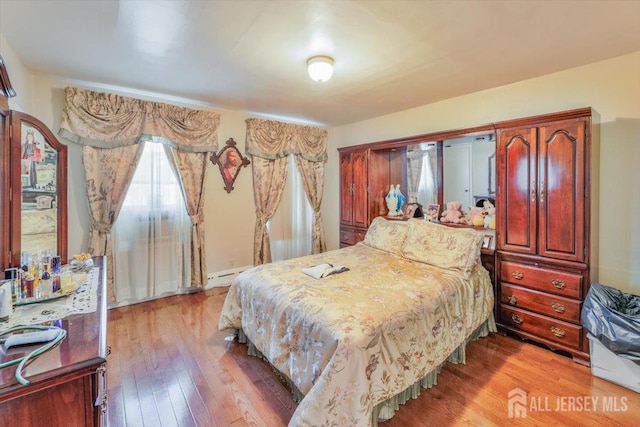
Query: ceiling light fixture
x=320, y=67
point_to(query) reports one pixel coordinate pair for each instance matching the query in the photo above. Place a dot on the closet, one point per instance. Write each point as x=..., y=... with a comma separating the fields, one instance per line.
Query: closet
x=544, y=249
x=365, y=177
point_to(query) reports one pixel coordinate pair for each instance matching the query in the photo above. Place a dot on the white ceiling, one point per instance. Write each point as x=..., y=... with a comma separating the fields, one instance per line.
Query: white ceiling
x=251, y=55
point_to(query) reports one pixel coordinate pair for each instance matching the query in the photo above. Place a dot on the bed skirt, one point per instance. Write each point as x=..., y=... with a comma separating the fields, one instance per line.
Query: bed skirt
x=387, y=409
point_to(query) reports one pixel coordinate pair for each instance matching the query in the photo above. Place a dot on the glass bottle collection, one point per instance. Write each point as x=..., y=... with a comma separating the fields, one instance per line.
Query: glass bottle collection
x=39, y=276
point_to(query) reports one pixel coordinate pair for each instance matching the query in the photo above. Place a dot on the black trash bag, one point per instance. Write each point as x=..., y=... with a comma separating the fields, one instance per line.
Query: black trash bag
x=613, y=318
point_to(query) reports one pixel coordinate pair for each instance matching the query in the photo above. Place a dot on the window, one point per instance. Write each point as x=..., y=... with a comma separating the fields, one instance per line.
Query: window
x=151, y=236
x=290, y=227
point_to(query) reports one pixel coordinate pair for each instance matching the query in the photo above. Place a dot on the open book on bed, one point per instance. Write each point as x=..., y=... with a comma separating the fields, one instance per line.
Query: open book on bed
x=323, y=270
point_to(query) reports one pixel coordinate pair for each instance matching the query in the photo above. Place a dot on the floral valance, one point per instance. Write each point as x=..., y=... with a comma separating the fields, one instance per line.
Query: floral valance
x=270, y=139
x=105, y=120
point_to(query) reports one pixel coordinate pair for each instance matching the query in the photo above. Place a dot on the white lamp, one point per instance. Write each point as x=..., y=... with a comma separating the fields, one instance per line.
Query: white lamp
x=320, y=68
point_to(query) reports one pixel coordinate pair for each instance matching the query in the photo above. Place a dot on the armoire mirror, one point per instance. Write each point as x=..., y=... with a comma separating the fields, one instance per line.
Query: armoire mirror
x=34, y=189
x=460, y=168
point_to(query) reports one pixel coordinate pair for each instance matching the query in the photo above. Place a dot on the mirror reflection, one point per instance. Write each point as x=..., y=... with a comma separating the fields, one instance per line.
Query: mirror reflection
x=466, y=174
x=468, y=171
x=422, y=173
x=39, y=215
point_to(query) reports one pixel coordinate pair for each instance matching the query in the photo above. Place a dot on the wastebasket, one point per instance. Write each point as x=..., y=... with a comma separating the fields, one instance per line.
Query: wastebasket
x=612, y=318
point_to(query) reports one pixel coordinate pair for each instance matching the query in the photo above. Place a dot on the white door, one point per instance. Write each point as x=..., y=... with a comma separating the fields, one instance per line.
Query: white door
x=456, y=159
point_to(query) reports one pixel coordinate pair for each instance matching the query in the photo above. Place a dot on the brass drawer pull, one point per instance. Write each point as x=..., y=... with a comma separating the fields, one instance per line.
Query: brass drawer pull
x=558, y=283
x=558, y=308
x=517, y=275
x=559, y=332
x=516, y=319
x=513, y=300
x=533, y=191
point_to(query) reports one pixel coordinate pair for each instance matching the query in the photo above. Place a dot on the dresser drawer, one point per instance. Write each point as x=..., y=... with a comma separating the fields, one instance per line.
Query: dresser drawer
x=351, y=236
x=542, y=326
x=543, y=279
x=540, y=302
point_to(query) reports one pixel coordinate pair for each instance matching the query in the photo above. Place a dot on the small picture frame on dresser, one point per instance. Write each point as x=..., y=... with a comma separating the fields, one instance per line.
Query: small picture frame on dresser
x=432, y=213
x=487, y=241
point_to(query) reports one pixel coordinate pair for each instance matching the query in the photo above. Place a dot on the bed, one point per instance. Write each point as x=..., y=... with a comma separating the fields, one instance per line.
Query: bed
x=355, y=345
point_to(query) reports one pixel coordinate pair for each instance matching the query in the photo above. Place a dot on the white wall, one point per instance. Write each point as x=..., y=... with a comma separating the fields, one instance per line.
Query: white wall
x=611, y=87
x=21, y=78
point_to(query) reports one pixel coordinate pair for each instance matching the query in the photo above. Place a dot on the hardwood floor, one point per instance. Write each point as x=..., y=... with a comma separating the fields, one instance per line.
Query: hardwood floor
x=170, y=366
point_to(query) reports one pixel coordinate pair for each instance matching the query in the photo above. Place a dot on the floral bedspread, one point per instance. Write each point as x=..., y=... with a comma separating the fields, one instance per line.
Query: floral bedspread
x=354, y=339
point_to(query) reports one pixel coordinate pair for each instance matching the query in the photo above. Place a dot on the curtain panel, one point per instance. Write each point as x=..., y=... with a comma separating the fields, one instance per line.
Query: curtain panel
x=105, y=120
x=112, y=130
x=269, y=142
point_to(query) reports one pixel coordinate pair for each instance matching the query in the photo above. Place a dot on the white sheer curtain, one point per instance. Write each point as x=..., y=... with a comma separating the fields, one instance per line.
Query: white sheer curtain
x=151, y=237
x=427, y=193
x=290, y=227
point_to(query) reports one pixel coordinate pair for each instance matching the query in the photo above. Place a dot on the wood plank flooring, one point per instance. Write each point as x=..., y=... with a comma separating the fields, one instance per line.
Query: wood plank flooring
x=170, y=366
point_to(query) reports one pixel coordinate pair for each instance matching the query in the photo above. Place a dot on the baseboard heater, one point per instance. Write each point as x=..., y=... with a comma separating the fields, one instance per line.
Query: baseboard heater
x=224, y=278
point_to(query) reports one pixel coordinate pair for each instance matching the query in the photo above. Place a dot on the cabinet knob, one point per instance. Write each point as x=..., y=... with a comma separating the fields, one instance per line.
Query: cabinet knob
x=517, y=275
x=558, y=308
x=559, y=332
x=513, y=300
x=541, y=191
x=516, y=319
x=558, y=283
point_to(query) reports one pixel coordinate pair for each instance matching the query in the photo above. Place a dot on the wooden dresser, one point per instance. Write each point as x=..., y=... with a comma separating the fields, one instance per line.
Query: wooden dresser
x=68, y=382
x=545, y=227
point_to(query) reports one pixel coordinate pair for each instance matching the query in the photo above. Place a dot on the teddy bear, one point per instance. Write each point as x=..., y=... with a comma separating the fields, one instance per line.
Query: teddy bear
x=453, y=213
x=490, y=217
x=476, y=217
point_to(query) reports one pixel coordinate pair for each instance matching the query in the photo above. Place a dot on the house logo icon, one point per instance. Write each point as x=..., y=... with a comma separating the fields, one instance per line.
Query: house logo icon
x=517, y=403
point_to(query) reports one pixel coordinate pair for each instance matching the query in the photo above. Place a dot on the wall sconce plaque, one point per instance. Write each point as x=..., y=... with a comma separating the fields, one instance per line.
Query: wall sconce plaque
x=229, y=160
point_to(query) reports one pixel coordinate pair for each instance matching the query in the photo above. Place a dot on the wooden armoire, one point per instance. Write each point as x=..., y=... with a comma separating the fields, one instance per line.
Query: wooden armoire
x=545, y=227
x=365, y=176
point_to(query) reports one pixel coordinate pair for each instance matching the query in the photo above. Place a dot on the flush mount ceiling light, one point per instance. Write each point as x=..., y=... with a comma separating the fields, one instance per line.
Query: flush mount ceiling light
x=320, y=68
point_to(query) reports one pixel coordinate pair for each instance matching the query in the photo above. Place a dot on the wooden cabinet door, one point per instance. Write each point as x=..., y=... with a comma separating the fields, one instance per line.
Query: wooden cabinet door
x=346, y=189
x=360, y=189
x=561, y=198
x=516, y=195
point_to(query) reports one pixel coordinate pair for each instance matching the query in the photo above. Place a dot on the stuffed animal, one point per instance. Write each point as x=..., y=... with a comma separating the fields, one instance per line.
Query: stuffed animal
x=476, y=217
x=490, y=217
x=453, y=213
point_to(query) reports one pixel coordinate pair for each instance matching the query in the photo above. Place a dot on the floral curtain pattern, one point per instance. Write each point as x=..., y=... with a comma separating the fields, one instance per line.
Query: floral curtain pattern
x=192, y=168
x=108, y=173
x=269, y=142
x=106, y=120
x=112, y=130
x=269, y=177
x=270, y=139
x=312, y=174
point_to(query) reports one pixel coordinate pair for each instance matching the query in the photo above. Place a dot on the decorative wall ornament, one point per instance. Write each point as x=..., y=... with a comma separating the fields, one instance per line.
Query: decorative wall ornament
x=229, y=161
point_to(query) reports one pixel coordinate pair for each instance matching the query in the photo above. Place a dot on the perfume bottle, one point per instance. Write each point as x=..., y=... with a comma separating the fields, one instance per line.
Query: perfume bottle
x=46, y=283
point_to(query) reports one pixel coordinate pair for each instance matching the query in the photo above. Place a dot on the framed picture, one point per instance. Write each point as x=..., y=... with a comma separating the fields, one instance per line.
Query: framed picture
x=432, y=213
x=486, y=242
x=229, y=161
x=410, y=210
